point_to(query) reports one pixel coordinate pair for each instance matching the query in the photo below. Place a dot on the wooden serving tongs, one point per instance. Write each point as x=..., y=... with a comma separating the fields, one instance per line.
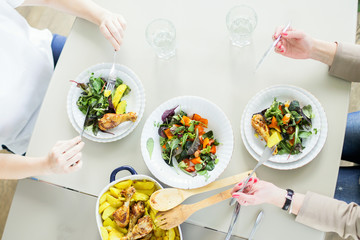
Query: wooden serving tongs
x=167, y=201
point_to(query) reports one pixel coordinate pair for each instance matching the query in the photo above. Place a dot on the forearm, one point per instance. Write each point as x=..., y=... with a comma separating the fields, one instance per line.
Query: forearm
x=85, y=9
x=323, y=51
x=16, y=167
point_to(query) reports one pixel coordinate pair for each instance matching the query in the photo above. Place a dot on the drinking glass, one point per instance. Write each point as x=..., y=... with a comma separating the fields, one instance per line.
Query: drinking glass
x=241, y=21
x=161, y=35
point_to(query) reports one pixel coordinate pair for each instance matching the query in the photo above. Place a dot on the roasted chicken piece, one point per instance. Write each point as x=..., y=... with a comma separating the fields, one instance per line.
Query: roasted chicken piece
x=258, y=122
x=147, y=237
x=136, y=211
x=111, y=120
x=143, y=227
x=122, y=215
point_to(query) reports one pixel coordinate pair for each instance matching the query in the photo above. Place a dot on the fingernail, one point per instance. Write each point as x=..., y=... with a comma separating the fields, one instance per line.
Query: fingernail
x=284, y=34
x=235, y=195
x=240, y=184
x=250, y=179
x=255, y=180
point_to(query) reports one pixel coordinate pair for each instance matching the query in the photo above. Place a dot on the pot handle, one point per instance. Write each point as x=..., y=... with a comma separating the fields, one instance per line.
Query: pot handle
x=116, y=170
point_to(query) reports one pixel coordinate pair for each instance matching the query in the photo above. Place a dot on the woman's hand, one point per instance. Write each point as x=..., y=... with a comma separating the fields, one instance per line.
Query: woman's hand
x=293, y=43
x=113, y=26
x=257, y=192
x=65, y=156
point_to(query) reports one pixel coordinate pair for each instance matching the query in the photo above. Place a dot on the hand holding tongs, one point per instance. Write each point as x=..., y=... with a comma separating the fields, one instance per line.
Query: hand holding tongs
x=272, y=46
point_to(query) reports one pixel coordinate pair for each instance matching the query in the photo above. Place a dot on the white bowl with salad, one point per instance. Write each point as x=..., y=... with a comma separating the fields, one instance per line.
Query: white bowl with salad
x=187, y=142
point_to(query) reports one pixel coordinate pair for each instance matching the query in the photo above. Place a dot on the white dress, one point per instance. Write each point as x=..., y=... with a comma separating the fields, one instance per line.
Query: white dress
x=26, y=66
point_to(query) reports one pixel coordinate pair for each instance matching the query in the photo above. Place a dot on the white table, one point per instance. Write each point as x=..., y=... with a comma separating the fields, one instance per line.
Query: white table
x=206, y=60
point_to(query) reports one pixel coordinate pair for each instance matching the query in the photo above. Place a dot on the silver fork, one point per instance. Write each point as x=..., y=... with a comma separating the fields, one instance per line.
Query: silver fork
x=112, y=77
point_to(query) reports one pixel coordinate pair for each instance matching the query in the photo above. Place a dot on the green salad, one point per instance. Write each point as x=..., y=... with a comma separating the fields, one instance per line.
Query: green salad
x=291, y=122
x=93, y=95
x=185, y=143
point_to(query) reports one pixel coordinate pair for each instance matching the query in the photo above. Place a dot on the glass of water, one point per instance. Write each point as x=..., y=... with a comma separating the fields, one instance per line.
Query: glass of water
x=241, y=21
x=161, y=35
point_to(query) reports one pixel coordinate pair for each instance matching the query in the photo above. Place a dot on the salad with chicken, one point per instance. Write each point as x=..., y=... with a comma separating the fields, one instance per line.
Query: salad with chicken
x=285, y=124
x=106, y=109
x=186, y=144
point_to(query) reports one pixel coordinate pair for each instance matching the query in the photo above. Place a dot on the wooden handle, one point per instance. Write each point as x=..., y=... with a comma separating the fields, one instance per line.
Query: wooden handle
x=211, y=200
x=219, y=183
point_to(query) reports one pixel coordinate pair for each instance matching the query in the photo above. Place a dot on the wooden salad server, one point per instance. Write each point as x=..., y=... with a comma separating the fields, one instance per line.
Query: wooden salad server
x=174, y=217
x=168, y=198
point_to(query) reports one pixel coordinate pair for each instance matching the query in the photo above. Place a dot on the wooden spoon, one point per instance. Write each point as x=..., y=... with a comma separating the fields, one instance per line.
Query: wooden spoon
x=174, y=217
x=168, y=198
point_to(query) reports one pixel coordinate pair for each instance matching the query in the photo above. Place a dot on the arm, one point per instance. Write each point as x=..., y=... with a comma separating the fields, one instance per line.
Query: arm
x=111, y=25
x=64, y=157
x=313, y=210
x=343, y=59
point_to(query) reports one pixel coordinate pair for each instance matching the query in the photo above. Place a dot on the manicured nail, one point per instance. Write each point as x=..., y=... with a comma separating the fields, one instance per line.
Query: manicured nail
x=255, y=180
x=235, y=195
x=284, y=34
x=250, y=179
x=239, y=184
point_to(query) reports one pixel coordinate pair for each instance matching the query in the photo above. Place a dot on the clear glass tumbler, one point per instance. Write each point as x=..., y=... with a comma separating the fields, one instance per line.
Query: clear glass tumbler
x=161, y=35
x=241, y=21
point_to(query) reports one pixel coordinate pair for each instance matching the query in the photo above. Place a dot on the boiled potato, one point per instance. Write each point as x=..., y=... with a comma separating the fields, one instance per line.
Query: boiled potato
x=103, y=206
x=109, y=222
x=104, y=233
x=103, y=197
x=108, y=212
x=140, y=197
x=115, y=235
x=124, y=184
x=115, y=192
x=116, y=203
x=172, y=234
x=144, y=185
x=146, y=191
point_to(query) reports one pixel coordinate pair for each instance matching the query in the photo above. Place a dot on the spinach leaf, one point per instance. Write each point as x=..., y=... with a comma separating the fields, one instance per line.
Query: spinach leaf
x=305, y=134
x=307, y=110
x=173, y=144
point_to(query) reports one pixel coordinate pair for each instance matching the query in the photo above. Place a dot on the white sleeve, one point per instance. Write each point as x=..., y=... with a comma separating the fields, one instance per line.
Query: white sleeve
x=15, y=3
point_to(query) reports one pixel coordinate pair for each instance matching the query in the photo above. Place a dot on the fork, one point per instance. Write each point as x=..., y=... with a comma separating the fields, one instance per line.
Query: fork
x=174, y=217
x=111, y=79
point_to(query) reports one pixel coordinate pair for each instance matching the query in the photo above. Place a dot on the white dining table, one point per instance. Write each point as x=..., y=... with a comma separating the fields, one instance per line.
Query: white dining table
x=206, y=65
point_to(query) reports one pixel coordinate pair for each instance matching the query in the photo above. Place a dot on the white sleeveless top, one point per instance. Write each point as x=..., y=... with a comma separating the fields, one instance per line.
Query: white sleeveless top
x=26, y=66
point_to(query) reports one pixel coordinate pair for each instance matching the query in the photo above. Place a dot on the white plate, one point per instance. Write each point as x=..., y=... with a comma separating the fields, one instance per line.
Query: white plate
x=322, y=132
x=263, y=100
x=135, y=102
x=218, y=122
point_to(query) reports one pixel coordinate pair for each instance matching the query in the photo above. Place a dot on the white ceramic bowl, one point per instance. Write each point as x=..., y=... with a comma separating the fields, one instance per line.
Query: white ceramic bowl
x=134, y=176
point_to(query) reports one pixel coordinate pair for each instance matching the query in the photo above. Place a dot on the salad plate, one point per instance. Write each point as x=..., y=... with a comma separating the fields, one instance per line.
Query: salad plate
x=217, y=122
x=263, y=100
x=135, y=102
x=316, y=146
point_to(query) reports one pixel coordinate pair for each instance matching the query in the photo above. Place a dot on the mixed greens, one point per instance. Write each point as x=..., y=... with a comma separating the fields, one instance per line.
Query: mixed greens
x=292, y=122
x=93, y=95
x=185, y=144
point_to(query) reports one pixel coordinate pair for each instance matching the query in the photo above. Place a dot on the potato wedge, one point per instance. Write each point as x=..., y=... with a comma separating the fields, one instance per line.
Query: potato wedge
x=108, y=212
x=123, y=184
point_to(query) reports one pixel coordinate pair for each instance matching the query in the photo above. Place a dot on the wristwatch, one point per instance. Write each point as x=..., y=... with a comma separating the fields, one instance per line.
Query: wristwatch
x=288, y=199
